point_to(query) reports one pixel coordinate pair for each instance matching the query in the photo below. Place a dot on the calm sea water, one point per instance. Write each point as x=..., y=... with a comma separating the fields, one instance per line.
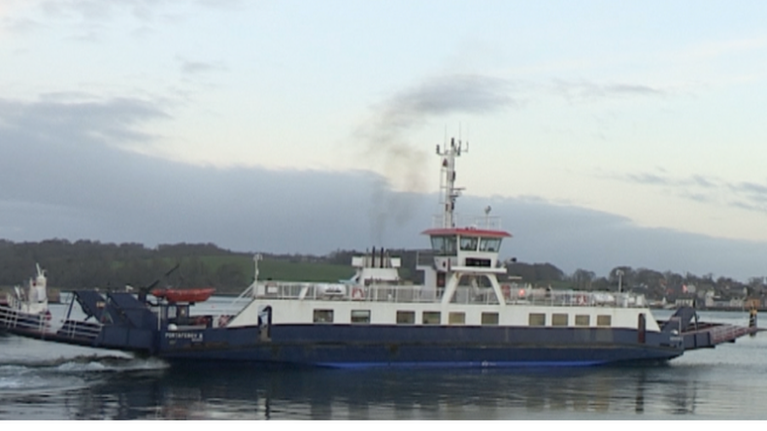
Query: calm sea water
x=49, y=381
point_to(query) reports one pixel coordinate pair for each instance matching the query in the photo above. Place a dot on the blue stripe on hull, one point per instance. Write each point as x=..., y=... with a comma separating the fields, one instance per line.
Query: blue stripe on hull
x=483, y=364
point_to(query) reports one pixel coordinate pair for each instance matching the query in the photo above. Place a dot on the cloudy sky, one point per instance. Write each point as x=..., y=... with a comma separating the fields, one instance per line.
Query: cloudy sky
x=603, y=133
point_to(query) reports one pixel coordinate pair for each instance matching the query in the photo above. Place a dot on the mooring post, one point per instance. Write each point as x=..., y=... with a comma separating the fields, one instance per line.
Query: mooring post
x=752, y=321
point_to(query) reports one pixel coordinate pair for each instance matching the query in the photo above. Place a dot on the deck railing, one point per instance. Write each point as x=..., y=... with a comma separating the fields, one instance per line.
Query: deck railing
x=43, y=324
x=513, y=295
x=462, y=220
x=12, y=319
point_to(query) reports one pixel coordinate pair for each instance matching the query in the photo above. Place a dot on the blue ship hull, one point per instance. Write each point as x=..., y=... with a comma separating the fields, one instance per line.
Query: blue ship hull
x=122, y=322
x=353, y=346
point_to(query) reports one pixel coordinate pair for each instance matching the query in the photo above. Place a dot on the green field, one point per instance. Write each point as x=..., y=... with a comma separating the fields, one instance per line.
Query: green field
x=297, y=271
x=241, y=268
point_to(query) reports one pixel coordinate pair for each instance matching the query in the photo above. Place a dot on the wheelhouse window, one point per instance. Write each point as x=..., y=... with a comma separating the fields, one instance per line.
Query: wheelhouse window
x=536, y=319
x=469, y=243
x=490, y=244
x=431, y=318
x=443, y=245
x=489, y=318
x=323, y=316
x=360, y=316
x=405, y=317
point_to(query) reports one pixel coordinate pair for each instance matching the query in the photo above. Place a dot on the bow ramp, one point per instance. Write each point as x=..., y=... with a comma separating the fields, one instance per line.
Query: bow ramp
x=698, y=335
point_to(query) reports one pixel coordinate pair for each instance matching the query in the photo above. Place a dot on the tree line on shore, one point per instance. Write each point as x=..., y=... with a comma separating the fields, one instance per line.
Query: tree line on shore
x=87, y=264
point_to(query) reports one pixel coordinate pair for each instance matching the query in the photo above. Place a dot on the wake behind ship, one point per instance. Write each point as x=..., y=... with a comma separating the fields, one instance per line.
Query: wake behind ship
x=462, y=316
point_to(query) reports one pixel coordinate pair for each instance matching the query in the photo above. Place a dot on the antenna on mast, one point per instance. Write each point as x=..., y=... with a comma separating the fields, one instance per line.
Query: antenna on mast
x=447, y=180
x=467, y=138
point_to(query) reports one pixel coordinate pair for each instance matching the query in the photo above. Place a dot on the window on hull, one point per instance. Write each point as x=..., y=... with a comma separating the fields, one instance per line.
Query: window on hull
x=536, y=319
x=456, y=318
x=604, y=320
x=405, y=317
x=323, y=316
x=490, y=318
x=558, y=319
x=360, y=316
x=582, y=320
x=431, y=317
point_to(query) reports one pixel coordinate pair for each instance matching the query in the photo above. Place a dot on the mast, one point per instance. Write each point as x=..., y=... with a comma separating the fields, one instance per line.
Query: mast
x=447, y=180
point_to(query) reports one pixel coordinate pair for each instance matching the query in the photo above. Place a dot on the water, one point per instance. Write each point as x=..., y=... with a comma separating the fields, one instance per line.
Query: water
x=50, y=381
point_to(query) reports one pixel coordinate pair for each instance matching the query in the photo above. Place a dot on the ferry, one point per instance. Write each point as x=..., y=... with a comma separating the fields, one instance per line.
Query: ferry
x=461, y=316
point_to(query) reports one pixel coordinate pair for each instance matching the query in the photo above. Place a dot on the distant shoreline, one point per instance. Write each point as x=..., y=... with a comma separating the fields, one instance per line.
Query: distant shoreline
x=739, y=309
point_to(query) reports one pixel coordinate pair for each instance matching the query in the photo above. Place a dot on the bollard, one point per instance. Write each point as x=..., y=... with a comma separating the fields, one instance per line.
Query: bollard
x=752, y=321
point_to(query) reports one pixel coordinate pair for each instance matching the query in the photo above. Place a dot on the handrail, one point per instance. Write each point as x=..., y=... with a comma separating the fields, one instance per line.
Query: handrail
x=42, y=324
x=464, y=295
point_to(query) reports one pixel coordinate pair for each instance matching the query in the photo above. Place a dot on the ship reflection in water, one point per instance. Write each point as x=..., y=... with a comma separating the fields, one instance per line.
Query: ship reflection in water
x=37, y=382
x=499, y=394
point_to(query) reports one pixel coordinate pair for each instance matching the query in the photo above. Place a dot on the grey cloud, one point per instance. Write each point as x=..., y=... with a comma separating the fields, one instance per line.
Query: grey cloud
x=708, y=183
x=587, y=91
x=197, y=67
x=631, y=89
x=747, y=206
x=572, y=237
x=92, y=17
x=87, y=9
x=697, y=197
x=664, y=179
x=755, y=190
x=222, y=4
x=84, y=121
x=142, y=9
x=20, y=25
x=745, y=195
x=62, y=183
x=472, y=94
x=648, y=178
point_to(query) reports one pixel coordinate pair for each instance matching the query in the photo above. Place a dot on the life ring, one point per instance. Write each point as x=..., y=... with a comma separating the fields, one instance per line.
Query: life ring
x=581, y=299
x=358, y=294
